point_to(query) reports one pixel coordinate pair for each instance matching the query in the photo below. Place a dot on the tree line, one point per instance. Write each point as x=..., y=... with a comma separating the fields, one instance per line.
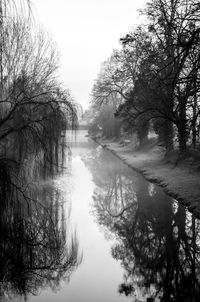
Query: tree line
x=153, y=80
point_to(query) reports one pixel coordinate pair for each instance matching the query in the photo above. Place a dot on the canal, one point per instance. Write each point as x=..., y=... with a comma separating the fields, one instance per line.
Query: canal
x=128, y=240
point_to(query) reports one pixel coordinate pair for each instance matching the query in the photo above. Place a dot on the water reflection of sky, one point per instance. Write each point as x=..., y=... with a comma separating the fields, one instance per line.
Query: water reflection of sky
x=98, y=276
x=133, y=237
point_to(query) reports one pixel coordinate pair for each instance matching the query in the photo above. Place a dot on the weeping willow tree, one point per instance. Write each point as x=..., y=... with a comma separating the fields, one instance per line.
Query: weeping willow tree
x=35, y=111
x=34, y=108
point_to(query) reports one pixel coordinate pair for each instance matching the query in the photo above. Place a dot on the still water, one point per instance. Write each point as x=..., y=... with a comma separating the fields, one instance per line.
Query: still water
x=126, y=240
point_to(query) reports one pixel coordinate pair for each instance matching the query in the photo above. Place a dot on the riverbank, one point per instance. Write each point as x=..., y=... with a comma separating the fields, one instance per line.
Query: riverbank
x=181, y=181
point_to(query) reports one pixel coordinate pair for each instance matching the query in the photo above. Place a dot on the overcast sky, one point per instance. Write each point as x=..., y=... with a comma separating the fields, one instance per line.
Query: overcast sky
x=86, y=31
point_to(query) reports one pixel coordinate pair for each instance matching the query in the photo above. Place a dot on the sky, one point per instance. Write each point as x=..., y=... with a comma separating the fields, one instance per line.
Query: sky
x=85, y=32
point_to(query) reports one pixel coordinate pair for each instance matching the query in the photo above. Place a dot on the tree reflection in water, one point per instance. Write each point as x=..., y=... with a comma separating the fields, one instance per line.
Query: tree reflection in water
x=37, y=249
x=158, y=241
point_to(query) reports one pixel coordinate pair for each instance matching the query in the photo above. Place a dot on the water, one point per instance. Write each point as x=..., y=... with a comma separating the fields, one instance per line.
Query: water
x=131, y=242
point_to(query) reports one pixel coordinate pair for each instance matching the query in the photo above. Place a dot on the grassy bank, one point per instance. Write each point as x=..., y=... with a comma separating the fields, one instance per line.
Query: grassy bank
x=180, y=180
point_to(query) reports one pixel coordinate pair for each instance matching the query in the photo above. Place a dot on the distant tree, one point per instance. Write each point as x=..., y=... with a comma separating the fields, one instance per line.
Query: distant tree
x=113, y=79
x=117, y=79
x=103, y=117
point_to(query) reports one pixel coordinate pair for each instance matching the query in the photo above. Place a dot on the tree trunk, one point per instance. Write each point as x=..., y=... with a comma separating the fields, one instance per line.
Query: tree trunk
x=168, y=135
x=142, y=132
x=182, y=127
x=194, y=119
